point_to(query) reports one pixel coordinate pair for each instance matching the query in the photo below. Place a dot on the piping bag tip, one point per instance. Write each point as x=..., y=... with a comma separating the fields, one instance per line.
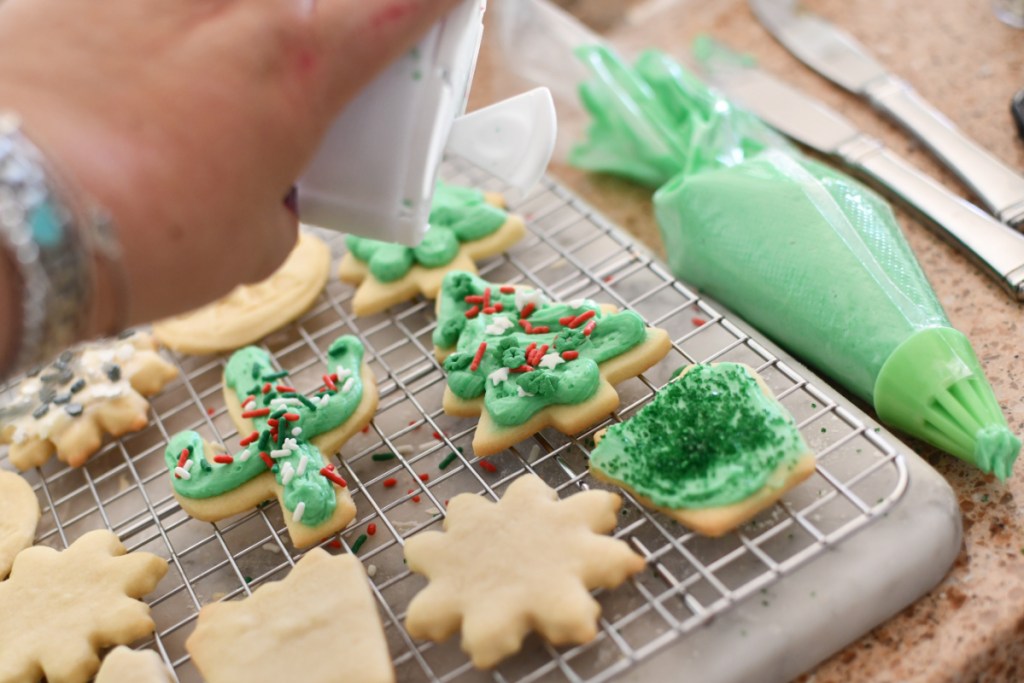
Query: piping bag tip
x=932, y=387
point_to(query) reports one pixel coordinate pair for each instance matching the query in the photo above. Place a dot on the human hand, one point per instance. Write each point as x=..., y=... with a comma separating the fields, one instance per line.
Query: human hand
x=190, y=120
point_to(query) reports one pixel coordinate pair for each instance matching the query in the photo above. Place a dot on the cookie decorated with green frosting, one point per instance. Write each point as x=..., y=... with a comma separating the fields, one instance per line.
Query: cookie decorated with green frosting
x=465, y=225
x=523, y=362
x=286, y=438
x=712, y=449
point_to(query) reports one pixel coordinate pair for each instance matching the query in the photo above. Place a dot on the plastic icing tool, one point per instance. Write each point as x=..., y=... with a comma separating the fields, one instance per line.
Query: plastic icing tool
x=376, y=170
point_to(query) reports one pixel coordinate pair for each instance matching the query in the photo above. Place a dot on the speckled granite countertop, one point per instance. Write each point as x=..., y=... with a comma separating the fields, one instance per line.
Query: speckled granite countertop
x=955, y=53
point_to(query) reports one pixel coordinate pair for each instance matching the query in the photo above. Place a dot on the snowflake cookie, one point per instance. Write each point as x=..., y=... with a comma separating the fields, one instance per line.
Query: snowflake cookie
x=526, y=562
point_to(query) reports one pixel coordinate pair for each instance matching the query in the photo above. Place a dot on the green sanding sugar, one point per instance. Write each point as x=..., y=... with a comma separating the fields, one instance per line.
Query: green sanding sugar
x=708, y=439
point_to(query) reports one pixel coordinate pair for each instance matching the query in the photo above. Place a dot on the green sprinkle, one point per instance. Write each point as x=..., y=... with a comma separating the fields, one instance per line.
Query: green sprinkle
x=447, y=460
x=984, y=498
x=278, y=413
x=275, y=376
x=306, y=402
x=814, y=405
x=281, y=432
x=268, y=397
x=823, y=430
x=359, y=543
x=379, y=457
x=264, y=442
x=248, y=579
x=255, y=371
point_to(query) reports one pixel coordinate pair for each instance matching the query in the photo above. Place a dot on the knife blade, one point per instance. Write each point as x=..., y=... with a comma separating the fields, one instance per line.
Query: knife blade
x=837, y=56
x=998, y=249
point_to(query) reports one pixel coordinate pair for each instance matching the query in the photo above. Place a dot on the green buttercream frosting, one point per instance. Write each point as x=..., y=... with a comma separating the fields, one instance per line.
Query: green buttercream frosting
x=247, y=372
x=708, y=439
x=511, y=398
x=457, y=215
x=811, y=257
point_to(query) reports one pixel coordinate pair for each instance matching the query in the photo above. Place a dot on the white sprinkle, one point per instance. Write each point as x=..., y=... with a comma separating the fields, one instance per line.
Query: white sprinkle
x=271, y=547
x=498, y=376
x=297, y=431
x=579, y=303
x=20, y=435
x=427, y=445
x=285, y=402
x=371, y=570
x=300, y=510
x=280, y=453
x=182, y=473
x=342, y=373
x=406, y=450
x=499, y=325
x=301, y=469
x=551, y=361
x=291, y=444
x=244, y=455
x=125, y=351
x=534, y=452
x=526, y=296
x=348, y=385
x=522, y=392
x=287, y=472
x=433, y=511
x=188, y=464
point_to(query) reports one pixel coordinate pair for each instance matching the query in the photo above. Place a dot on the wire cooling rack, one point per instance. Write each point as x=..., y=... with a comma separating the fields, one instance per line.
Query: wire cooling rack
x=570, y=252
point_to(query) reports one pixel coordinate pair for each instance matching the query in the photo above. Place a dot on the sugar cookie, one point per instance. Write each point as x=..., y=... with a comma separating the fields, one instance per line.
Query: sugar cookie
x=318, y=625
x=526, y=562
x=523, y=363
x=19, y=516
x=286, y=441
x=466, y=225
x=65, y=408
x=250, y=312
x=60, y=608
x=124, y=665
x=712, y=450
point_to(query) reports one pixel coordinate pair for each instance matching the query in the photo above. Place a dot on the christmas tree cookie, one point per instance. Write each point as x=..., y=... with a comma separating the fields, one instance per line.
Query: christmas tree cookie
x=287, y=438
x=523, y=363
x=465, y=225
x=712, y=450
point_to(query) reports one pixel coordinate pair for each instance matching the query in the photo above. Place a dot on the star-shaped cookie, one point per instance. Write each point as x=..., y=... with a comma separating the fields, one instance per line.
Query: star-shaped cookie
x=318, y=625
x=58, y=609
x=526, y=562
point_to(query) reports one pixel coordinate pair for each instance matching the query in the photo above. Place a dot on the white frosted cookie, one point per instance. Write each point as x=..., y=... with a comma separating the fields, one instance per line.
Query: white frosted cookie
x=124, y=665
x=67, y=407
x=527, y=562
x=317, y=625
x=19, y=516
x=466, y=225
x=712, y=450
x=523, y=363
x=250, y=312
x=59, y=609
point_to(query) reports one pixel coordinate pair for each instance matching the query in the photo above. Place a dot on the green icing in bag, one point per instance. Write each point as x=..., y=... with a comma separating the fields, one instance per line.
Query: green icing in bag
x=808, y=255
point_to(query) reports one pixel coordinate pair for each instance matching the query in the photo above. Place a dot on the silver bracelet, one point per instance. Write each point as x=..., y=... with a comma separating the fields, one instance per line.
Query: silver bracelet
x=53, y=239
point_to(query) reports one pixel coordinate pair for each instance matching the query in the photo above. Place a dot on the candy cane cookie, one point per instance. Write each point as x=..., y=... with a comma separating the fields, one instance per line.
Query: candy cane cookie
x=286, y=440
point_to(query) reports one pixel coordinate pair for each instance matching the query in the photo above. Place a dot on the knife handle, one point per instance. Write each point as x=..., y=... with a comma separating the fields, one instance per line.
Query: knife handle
x=994, y=246
x=999, y=187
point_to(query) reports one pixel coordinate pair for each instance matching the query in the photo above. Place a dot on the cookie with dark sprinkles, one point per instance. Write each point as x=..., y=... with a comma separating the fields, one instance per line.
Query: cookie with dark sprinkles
x=73, y=409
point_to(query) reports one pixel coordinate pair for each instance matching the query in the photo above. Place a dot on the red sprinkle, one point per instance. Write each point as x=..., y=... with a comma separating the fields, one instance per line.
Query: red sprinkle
x=183, y=458
x=525, y=324
x=266, y=388
x=371, y=529
x=366, y=429
x=487, y=298
x=698, y=321
x=333, y=476
x=507, y=289
x=437, y=435
x=472, y=313
x=522, y=368
x=334, y=377
x=246, y=402
x=292, y=417
x=540, y=329
x=540, y=354
x=499, y=307
x=581, y=318
x=479, y=356
x=474, y=299
x=489, y=310
x=589, y=328
x=335, y=544
x=210, y=411
x=570, y=355
x=608, y=278
x=257, y=412
x=267, y=460
x=284, y=389
x=223, y=458
x=329, y=383
x=273, y=422
x=488, y=466
x=389, y=483
x=566, y=320
x=415, y=499
x=529, y=350
x=249, y=439
x=424, y=477
x=529, y=308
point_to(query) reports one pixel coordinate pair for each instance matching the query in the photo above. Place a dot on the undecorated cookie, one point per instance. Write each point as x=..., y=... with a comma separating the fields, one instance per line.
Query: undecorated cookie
x=66, y=408
x=124, y=665
x=318, y=625
x=250, y=312
x=19, y=516
x=287, y=440
x=523, y=363
x=527, y=562
x=712, y=450
x=466, y=225
x=58, y=609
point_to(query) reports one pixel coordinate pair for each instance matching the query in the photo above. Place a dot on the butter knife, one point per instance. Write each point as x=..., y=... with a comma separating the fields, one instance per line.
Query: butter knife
x=996, y=248
x=838, y=57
